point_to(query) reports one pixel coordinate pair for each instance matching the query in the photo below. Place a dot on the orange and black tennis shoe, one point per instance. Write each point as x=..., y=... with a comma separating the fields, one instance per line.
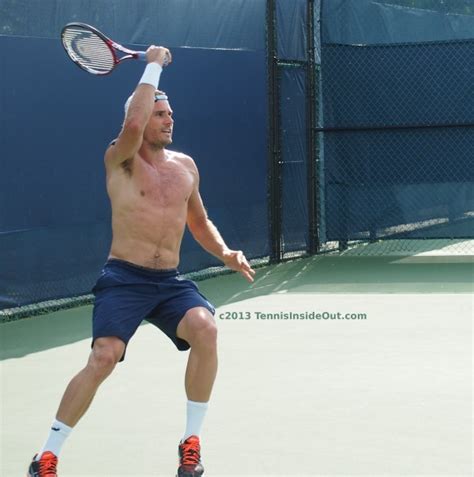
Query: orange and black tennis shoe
x=190, y=458
x=44, y=467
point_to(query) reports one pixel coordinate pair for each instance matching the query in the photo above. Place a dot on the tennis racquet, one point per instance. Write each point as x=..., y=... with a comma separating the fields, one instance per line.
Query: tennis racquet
x=92, y=51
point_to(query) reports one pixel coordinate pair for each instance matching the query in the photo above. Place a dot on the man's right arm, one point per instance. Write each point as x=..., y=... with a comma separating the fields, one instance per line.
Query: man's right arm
x=140, y=109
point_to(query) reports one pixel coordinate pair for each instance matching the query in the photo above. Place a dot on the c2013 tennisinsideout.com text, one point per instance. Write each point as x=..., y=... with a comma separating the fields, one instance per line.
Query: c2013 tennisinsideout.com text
x=290, y=315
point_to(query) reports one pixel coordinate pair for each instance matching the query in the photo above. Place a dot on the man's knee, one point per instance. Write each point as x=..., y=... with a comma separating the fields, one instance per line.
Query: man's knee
x=106, y=353
x=198, y=328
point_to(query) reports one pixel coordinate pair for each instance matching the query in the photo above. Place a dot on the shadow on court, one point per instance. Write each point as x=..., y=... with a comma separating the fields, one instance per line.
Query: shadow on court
x=350, y=274
x=319, y=274
x=23, y=337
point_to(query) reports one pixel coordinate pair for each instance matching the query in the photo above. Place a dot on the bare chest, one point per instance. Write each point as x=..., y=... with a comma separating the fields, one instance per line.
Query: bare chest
x=166, y=185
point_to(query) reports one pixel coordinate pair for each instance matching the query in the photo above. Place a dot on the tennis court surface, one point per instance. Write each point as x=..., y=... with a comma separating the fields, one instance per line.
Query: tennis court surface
x=386, y=392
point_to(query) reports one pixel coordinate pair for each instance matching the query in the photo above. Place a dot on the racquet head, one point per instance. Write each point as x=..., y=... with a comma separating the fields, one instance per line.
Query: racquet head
x=90, y=49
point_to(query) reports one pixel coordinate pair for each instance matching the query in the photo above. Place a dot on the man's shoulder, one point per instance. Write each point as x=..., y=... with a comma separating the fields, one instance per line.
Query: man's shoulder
x=184, y=159
x=179, y=156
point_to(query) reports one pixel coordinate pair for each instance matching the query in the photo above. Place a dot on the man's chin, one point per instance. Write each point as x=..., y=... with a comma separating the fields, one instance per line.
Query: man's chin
x=164, y=143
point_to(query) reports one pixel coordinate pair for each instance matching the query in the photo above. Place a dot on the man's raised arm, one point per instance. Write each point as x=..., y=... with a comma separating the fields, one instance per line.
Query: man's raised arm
x=138, y=108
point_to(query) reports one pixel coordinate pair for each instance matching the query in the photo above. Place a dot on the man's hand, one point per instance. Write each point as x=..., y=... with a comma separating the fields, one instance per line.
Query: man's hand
x=235, y=260
x=158, y=54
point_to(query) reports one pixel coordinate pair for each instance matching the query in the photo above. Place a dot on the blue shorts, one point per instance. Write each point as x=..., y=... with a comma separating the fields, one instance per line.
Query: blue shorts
x=126, y=294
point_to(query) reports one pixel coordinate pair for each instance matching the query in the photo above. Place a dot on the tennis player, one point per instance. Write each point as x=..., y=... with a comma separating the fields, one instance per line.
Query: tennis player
x=154, y=193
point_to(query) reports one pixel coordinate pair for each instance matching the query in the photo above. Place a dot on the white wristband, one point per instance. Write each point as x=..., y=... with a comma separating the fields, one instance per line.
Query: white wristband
x=151, y=75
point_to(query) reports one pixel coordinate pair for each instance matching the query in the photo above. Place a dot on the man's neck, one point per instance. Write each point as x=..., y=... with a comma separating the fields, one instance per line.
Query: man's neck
x=153, y=152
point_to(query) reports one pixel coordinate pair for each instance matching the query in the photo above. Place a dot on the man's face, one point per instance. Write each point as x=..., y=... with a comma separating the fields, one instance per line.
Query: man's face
x=159, y=130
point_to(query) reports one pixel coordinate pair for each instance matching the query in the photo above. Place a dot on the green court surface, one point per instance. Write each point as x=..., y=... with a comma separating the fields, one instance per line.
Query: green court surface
x=329, y=365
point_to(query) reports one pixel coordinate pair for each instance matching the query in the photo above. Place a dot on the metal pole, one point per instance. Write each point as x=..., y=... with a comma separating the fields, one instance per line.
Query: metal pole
x=274, y=166
x=313, y=244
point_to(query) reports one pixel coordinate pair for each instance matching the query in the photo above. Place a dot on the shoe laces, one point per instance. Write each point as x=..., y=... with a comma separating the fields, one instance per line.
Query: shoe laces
x=47, y=465
x=190, y=451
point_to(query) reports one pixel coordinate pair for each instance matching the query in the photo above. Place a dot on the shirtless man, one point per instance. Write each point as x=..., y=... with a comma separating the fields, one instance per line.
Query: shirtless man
x=154, y=193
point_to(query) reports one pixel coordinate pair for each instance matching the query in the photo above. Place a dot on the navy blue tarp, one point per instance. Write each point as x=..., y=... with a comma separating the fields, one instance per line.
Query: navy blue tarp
x=56, y=122
x=399, y=122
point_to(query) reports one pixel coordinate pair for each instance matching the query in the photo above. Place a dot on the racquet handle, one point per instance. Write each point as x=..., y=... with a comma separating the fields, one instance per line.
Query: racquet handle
x=141, y=55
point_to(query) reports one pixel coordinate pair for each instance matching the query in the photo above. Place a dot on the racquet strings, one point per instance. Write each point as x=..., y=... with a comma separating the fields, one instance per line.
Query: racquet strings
x=89, y=50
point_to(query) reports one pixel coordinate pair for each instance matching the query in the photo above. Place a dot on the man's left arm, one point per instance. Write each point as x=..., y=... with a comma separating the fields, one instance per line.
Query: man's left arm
x=207, y=235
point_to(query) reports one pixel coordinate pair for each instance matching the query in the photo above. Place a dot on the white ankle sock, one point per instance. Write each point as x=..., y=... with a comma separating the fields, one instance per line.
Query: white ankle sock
x=58, y=434
x=195, y=412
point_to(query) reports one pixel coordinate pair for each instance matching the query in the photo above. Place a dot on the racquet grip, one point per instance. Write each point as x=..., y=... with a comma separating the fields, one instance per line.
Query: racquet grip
x=141, y=55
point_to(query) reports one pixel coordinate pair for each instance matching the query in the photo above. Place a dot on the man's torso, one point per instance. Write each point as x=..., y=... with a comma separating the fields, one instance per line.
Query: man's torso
x=149, y=209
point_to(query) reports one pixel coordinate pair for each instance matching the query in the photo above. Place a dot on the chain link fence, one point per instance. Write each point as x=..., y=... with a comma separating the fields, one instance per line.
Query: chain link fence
x=398, y=137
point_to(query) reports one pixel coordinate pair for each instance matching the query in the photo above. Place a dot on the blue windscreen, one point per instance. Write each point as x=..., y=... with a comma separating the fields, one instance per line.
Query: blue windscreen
x=398, y=140
x=56, y=122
